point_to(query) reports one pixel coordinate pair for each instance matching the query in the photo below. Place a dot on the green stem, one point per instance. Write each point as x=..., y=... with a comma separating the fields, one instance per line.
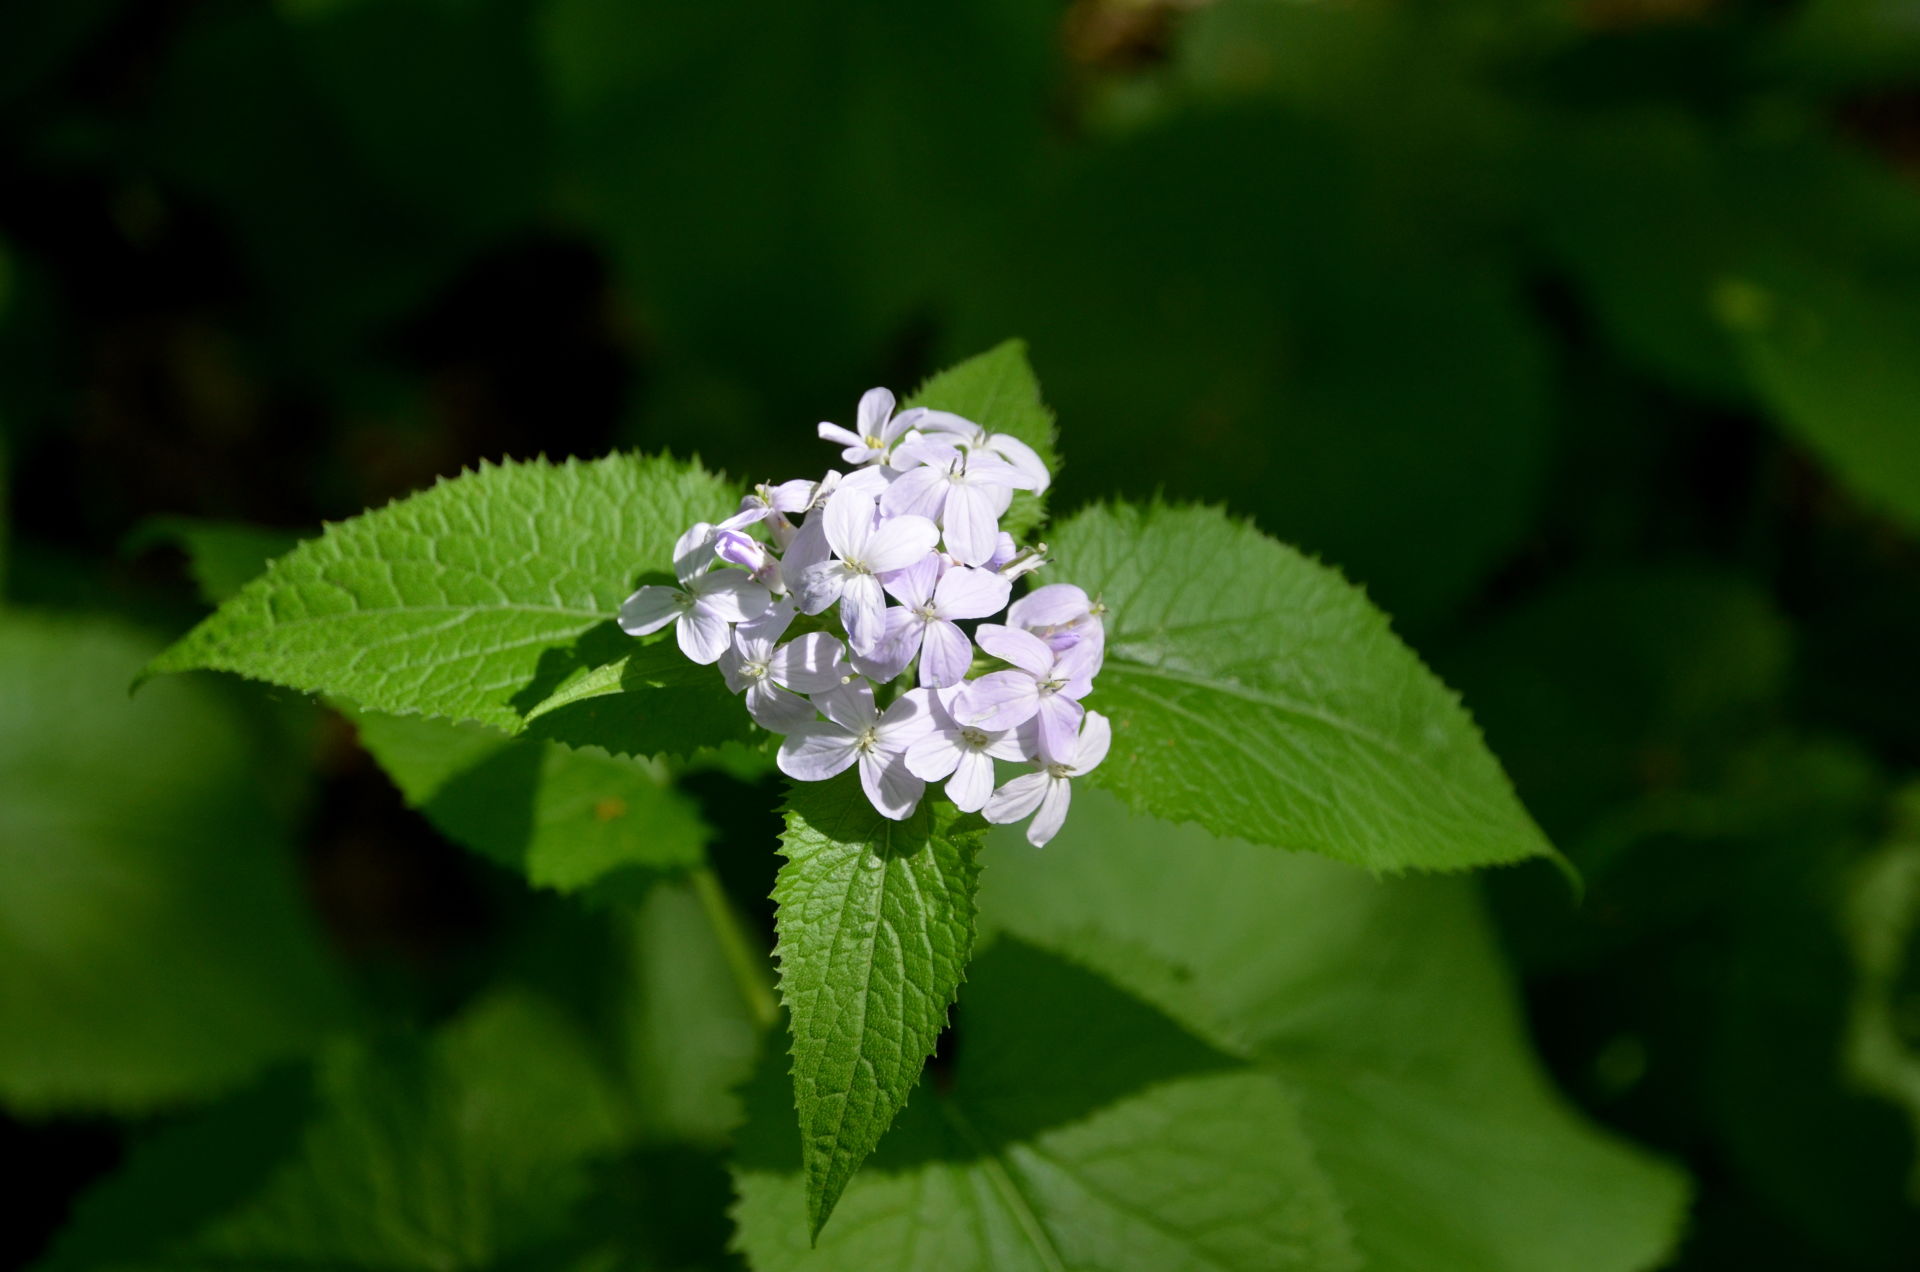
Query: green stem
x=749, y=967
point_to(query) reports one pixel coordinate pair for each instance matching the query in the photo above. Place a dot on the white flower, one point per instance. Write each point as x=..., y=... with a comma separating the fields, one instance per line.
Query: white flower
x=865, y=546
x=965, y=751
x=1061, y=615
x=1048, y=789
x=965, y=492
x=975, y=438
x=1043, y=684
x=704, y=604
x=774, y=677
x=873, y=443
x=932, y=597
x=772, y=504
x=854, y=733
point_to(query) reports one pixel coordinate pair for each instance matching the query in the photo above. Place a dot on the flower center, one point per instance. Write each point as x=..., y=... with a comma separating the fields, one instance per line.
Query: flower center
x=974, y=738
x=753, y=670
x=873, y=443
x=1058, y=770
x=868, y=739
x=1053, y=686
x=927, y=612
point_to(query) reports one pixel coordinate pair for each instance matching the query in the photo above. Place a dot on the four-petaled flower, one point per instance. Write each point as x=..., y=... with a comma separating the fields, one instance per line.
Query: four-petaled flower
x=774, y=676
x=932, y=595
x=703, y=607
x=1042, y=685
x=965, y=751
x=854, y=733
x=1048, y=788
x=964, y=491
x=975, y=438
x=865, y=546
x=880, y=430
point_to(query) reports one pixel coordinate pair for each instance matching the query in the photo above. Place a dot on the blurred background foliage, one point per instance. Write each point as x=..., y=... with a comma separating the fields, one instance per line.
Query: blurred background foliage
x=1586, y=335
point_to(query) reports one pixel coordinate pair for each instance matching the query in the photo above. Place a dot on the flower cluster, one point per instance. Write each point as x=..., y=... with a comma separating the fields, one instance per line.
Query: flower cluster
x=915, y=522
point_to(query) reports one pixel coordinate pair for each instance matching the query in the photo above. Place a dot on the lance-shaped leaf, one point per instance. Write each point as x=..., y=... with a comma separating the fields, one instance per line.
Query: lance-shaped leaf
x=998, y=391
x=470, y=600
x=875, y=928
x=1256, y=692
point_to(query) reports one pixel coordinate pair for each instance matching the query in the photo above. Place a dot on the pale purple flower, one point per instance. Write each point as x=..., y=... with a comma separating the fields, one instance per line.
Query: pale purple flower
x=879, y=429
x=737, y=547
x=1047, y=791
x=809, y=544
x=933, y=596
x=702, y=607
x=854, y=733
x=1061, y=615
x=964, y=492
x=865, y=545
x=1042, y=685
x=975, y=438
x=964, y=751
x=772, y=504
x=774, y=676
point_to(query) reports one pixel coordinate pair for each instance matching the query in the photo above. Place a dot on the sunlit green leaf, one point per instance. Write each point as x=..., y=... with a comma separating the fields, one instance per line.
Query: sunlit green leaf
x=876, y=925
x=470, y=600
x=1255, y=692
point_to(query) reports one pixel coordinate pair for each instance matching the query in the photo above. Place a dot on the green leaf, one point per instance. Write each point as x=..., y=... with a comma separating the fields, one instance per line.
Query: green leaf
x=1255, y=692
x=875, y=929
x=154, y=946
x=1381, y=1008
x=998, y=391
x=452, y=1151
x=224, y=556
x=563, y=818
x=470, y=600
x=1840, y=365
x=1076, y=1128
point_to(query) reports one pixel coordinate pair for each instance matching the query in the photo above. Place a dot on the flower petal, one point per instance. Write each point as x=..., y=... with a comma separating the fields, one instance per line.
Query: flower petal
x=935, y=756
x=775, y=709
x=703, y=635
x=815, y=752
x=1016, y=799
x=899, y=543
x=1053, y=812
x=1022, y=457
x=792, y=496
x=875, y=406
x=909, y=719
x=972, y=523
x=863, y=612
x=1023, y=649
x=972, y=784
x=899, y=644
x=759, y=634
x=1055, y=605
x=947, y=422
x=650, y=609
x=820, y=585
x=970, y=593
x=893, y=790
x=849, y=705
x=814, y=663
x=730, y=595
x=914, y=586
x=919, y=492
x=692, y=551
x=849, y=518
x=1096, y=738
x=840, y=436
x=998, y=700
x=945, y=655
x=1058, y=718
x=733, y=668
x=808, y=548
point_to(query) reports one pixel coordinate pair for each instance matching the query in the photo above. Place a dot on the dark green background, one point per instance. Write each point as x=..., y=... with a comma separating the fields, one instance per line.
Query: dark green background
x=1586, y=336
